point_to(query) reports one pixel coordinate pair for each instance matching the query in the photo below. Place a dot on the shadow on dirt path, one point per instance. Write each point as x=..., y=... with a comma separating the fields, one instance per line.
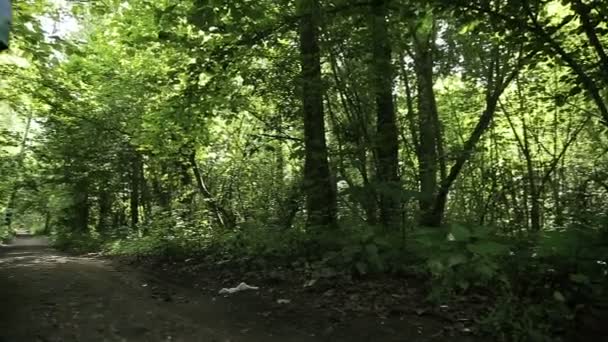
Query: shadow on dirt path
x=48, y=296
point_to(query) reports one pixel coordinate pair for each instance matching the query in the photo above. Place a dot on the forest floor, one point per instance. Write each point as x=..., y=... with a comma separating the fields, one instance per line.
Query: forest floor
x=50, y=296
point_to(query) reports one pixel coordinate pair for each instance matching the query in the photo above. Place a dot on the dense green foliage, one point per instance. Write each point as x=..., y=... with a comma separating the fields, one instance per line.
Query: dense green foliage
x=462, y=140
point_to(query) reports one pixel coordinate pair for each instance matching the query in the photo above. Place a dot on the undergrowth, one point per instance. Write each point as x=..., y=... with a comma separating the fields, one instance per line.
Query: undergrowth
x=76, y=242
x=535, y=287
x=5, y=234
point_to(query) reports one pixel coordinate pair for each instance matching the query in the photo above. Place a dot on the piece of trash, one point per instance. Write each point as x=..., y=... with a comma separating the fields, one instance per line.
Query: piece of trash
x=310, y=283
x=144, y=285
x=283, y=301
x=239, y=288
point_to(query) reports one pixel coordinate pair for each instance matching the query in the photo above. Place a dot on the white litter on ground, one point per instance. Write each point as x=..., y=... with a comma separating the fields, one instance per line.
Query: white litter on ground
x=239, y=288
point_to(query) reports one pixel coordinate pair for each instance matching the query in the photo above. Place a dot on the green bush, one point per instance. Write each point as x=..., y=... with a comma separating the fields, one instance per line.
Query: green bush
x=76, y=242
x=5, y=234
x=461, y=258
x=540, y=283
x=523, y=319
x=167, y=235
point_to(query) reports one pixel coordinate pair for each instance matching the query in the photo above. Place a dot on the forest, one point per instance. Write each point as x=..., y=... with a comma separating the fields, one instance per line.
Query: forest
x=462, y=144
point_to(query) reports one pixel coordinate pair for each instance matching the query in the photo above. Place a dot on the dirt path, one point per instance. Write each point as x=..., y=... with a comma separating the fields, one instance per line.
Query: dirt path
x=49, y=296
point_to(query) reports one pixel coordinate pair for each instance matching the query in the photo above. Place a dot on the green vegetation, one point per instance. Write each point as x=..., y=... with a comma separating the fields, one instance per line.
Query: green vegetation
x=463, y=142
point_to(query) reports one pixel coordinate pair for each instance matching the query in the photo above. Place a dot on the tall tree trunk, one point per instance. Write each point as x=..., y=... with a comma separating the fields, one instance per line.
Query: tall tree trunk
x=558, y=185
x=409, y=98
x=80, y=218
x=146, y=196
x=535, y=191
x=387, y=137
x=320, y=191
x=135, y=189
x=47, y=222
x=427, y=124
x=105, y=209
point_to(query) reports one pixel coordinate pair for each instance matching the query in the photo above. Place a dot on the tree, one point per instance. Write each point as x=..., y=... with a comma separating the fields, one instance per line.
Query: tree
x=318, y=184
x=387, y=141
x=424, y=36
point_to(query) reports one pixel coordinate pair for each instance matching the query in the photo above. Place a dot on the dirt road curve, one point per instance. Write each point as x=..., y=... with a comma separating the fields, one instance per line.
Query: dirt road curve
x=47, y=296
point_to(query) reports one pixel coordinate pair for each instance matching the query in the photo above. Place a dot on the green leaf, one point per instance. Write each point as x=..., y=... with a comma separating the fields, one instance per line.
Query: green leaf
x=488, y=248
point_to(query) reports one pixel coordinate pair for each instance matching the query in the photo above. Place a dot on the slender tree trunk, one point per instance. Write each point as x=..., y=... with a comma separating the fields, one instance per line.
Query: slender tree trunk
x=442, y=195
x=535, y=191
x=135, y=189
x=290, y=206
x=409, y=98
x=387, y=137
x=146, y=199
x=558, y=186
x=360, y=139
x=427, y=125
x=161, y=189
x=223, y=216
x=105, y=209
x=321, y=204
x=368, y=199
x=47, y=222
x=497, y=83
x=370, y=203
